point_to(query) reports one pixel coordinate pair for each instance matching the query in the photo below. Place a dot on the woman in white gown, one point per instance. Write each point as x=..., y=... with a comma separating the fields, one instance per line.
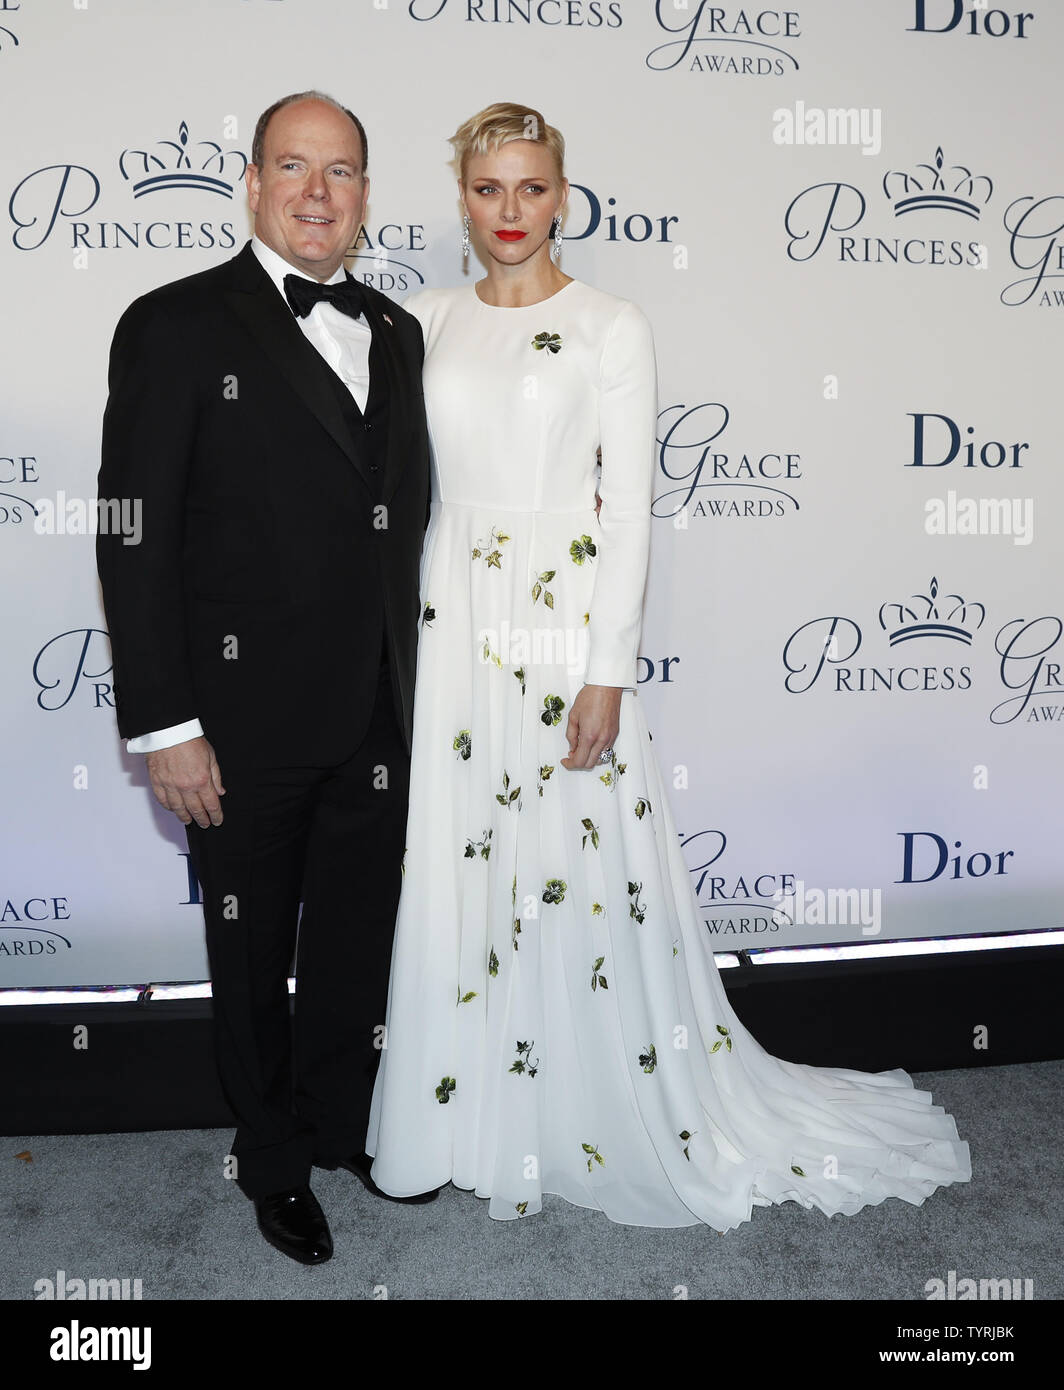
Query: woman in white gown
x=556, y=1022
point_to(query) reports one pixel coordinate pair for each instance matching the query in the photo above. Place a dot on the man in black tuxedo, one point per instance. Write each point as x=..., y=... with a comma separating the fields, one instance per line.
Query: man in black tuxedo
x=264, y=632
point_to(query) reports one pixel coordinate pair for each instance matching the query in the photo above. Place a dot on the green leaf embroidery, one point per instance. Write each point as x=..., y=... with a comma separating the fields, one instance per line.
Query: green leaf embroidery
x=463, y=744
x=641, y=808
x=551, y=341
x=582, y=549
x=614, y=771
x=520, y=675
x=554, y=891
x=481, y=847
x=465, y=998
x=486, y=654
x=687, y=1135
x=636, y=909
x=796, y=1169
x=525, y=1062
x=544, y=776
x=596, y=1157
x=507, y=795
x=493, y=963
x=491, y=554
x=723, y=1041
x=445, y=1089
x=538, y=588
x=522, y=1207
x=592, y=833
x=597, y=910
x=429, y=615
x=596, y=978
x=515, y=932
x=648, y=1060
x=552, y=712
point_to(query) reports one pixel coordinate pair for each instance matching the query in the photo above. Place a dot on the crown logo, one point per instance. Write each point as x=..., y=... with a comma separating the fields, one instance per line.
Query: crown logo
x=929, y=186
x=178, y=169
x=929, y=622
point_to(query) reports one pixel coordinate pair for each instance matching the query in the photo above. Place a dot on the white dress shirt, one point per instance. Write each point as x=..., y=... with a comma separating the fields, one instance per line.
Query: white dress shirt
x=344, y=344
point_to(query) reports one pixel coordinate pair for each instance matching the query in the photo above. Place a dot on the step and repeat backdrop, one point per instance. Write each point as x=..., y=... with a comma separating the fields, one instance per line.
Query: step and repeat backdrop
x=846, y=224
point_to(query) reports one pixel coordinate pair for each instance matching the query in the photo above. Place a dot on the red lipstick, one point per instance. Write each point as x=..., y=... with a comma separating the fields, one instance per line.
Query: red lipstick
x=511, y=236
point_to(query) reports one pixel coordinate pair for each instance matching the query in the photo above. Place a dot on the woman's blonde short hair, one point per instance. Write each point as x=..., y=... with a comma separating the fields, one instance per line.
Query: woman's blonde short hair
x=498, y=124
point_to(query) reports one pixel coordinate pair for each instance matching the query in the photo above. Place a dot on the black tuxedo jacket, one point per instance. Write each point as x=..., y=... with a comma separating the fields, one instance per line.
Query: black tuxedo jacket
x=278, y=550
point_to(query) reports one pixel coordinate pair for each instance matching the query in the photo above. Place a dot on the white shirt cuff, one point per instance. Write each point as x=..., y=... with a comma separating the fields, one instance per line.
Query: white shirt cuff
x=165, y=738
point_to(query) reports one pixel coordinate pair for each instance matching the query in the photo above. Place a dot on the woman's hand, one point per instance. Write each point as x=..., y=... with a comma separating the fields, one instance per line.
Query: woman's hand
x=594, y=722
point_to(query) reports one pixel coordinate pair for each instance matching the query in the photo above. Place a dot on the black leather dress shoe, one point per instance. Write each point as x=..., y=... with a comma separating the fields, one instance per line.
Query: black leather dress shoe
x=294, y=1223
x=360, y=1165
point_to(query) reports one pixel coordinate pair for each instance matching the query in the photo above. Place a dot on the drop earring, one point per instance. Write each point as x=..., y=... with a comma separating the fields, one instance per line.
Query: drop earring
x=465, y=237
x=556, y=233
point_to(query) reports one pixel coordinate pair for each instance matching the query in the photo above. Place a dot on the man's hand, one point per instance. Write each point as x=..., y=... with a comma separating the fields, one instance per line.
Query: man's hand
x=186, y=780
x=594, y=722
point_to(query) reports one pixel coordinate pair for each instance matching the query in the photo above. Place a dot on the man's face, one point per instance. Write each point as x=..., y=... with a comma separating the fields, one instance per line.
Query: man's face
x=309, y=196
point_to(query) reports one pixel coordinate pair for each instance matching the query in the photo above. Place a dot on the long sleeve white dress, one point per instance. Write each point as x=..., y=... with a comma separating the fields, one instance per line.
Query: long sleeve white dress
x=556, y=1022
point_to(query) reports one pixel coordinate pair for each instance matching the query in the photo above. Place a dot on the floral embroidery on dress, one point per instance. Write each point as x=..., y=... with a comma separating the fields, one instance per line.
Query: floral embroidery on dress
x=552, y=711
x=554, y=892
x=613, y=772
x=583, y=548
x=462, y=744
x=591, y=833
x=551, y=341
x=445, y=1089
x=641, y=807
x=506, y=796
x=592, y=1149
x=723, y=1041
x=489, y=549
x=526, y=1063
x=482, y=846
x=544, y=776
x=636, y=909
x=598, y=980
x=648, y=1060
x=687, y=1135
x=538, y=588
x=429, y=616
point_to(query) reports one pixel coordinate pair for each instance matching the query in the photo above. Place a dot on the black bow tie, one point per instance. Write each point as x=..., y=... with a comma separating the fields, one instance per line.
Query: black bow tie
x=302, y=295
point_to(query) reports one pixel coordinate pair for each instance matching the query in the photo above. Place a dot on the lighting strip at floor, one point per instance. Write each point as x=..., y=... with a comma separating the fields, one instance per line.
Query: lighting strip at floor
x=726, y=960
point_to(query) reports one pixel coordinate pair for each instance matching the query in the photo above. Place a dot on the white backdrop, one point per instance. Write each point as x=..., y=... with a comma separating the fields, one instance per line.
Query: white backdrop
x=830, y=681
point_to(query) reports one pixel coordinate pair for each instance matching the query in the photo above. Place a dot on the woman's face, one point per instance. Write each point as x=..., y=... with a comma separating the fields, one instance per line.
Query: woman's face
x=512, y=196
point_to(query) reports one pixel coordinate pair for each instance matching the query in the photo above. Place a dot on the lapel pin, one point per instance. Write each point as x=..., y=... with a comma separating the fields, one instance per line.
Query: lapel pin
x=387, y=320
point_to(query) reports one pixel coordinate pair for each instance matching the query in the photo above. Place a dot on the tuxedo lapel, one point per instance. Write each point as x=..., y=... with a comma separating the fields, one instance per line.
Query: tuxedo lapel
x=273, y=327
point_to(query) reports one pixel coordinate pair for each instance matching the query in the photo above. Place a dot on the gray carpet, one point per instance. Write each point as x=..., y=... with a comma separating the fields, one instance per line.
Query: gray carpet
x=155, y=1207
